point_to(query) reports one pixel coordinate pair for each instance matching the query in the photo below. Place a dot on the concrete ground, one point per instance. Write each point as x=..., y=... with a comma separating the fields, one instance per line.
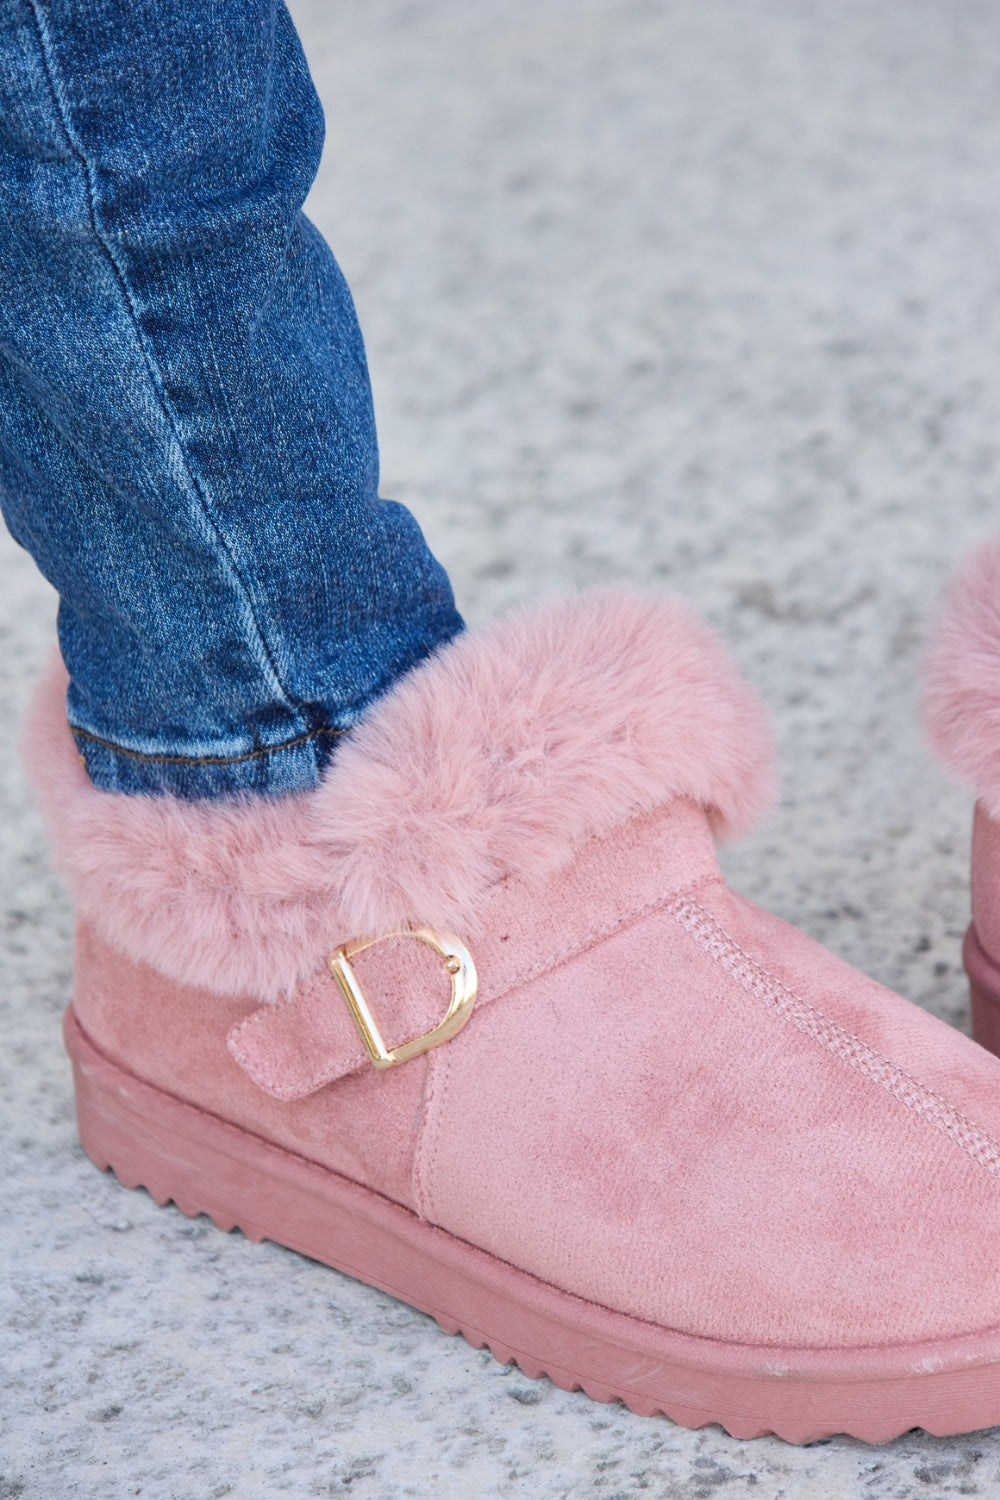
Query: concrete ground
x=691, y=293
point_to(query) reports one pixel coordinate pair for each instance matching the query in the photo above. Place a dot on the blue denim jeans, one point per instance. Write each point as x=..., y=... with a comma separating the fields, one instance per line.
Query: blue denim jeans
x=187, y=443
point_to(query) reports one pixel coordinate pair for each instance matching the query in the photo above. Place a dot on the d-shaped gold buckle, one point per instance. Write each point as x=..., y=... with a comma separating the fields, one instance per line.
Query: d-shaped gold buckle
x=456, y=959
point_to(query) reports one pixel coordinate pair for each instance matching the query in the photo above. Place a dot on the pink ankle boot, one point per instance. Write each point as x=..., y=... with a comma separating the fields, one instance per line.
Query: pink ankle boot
x=479, y=1022
x=962, y=709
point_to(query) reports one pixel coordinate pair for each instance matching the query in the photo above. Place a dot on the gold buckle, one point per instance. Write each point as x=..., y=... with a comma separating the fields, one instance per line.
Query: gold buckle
x=456, y=959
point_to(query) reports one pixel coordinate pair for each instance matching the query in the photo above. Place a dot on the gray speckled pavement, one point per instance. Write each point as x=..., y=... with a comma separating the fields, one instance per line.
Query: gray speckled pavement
x=698, y=295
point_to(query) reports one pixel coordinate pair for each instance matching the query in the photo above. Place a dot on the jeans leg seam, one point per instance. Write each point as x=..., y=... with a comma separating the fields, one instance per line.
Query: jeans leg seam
x=76, y=149
x=308, y=738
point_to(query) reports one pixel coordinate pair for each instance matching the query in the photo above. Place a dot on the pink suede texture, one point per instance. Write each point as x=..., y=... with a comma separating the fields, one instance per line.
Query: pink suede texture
x=689, y=1154
x=498, y=757
x=174, y=1036
x=962, y=676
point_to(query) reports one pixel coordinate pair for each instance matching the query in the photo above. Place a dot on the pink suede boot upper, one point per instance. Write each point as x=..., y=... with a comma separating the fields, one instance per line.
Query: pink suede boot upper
x=666, y=1102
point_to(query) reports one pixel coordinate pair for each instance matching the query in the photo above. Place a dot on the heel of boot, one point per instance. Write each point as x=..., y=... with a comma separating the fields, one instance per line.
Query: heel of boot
x=139, y=1133
x=984, y=993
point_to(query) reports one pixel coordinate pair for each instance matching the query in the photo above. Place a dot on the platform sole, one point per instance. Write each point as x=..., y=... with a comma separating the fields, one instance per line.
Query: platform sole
x=203, y=1164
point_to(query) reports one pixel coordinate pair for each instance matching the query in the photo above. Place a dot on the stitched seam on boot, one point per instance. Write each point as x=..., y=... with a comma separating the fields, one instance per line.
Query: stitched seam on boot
x=977, y=1143
x=428, y=1137
x=599, y=935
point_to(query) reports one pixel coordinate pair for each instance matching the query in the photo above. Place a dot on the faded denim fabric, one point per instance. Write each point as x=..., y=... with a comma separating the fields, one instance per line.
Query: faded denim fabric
x=187, y=443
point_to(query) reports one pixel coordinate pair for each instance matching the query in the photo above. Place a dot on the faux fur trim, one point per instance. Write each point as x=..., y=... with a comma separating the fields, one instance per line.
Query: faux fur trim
x=498, y=756
x=962, y=676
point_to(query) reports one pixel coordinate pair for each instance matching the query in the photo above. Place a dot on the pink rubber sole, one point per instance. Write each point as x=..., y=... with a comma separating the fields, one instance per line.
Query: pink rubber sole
x=176, y=1151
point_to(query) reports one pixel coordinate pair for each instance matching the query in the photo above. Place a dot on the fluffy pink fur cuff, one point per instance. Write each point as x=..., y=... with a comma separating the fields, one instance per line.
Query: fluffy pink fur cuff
x=497, y=757
x=962, y=678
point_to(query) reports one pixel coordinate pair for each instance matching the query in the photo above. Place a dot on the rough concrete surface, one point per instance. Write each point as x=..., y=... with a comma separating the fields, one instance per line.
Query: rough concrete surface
x=698, y=295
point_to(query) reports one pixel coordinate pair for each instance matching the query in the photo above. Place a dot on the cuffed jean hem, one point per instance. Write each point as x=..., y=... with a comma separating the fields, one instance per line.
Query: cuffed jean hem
x=268, y=749
x=293, y=766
